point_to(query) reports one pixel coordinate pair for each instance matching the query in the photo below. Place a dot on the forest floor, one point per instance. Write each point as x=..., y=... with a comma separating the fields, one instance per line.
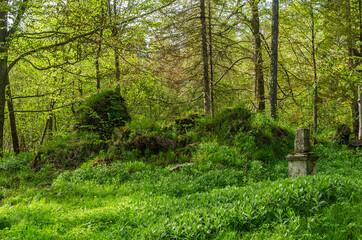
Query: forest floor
x=236, y=188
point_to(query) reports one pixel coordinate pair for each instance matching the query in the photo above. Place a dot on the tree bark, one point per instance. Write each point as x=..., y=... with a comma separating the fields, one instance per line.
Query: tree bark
x=257, y=58
x=97, y=64
x=13, y=129
x=3, y=74
x=360, y=111
x=360, y=87
x=116, y=57
x=352, y=66
x=274, y=61
x=99, y=49
x=211, y=65
x=315, y=76
x=206, y=81
x=49, y=121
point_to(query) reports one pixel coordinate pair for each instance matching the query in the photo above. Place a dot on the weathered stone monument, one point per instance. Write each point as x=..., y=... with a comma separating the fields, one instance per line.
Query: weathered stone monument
x=302, y=162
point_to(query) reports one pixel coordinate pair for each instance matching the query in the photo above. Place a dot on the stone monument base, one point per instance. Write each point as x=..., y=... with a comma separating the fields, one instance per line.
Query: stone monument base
x=302, y=164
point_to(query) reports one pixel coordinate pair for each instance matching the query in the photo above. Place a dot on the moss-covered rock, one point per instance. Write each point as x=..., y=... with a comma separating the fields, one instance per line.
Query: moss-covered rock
x=102, y=112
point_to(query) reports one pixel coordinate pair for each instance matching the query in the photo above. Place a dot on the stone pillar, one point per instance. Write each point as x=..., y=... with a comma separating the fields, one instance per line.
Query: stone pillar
x=302, y=162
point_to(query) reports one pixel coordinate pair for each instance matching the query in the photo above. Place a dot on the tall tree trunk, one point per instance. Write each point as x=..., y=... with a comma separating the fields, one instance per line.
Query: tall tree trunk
x=116, y=56
x=49, y=121
x=258, y=60
x=360, y=112
x=315, y=76
x=352, y=65
x=116, y=66
x=99, y=49
x=98, y=72
x=360, y=24
x=211, y=65
x=274, y=61
x=3, y=73
x=205, y=63
x=14, y=132
x=360, y=87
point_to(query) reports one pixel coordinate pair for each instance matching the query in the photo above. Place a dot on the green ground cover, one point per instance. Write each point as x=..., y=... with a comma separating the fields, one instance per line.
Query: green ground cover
x=237, y=188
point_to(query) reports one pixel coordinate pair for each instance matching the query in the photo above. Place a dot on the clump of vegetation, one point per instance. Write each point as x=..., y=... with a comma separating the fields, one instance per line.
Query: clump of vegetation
x=70, y=151
x=224, y=155
x=102, y=112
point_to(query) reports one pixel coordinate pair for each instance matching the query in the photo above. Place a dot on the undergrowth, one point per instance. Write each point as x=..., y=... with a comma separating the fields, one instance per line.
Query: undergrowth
x=232, y=185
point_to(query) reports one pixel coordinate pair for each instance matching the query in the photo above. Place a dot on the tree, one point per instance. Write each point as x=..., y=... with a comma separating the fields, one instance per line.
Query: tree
x=314, y=65
x=274, y=61
x=360, y=112
x=257, y=56
x=205, y=58
x=3, y=66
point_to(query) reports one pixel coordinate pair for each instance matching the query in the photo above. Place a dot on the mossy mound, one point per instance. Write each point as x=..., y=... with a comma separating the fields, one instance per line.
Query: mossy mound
x=70, y=151
x=255, y=135
x=102, y=112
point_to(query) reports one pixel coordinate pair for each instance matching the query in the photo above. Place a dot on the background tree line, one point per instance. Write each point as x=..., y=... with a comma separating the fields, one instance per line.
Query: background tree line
x=173, y=58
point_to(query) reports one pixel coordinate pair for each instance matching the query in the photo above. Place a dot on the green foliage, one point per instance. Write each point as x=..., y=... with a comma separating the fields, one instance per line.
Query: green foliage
x=337, y=159
x=70, y=151
x=192, y=204
x=102, y=112
x=235, y=188
x=15, y=162
x=213, y=152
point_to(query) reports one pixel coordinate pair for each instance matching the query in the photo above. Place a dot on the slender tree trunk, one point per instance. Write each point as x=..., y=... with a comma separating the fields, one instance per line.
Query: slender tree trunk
x=211, y=65
x=99, y=49
x=205, y=63
x=3, y=66
x=258, y=60
x=274, y=61
x=116, y=56
x=360, y=112
x=3, y=74
x=352, y=65
x=116, y=66
x=360, y=87
x=44, y=132
x=98, y=72
x=360, y=24
x=51, y=124
x=315, y=76
x=49, y=121
x=14, y=132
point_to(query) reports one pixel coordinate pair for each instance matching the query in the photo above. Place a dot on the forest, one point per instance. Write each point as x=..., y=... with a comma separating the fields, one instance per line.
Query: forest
x=165, y=119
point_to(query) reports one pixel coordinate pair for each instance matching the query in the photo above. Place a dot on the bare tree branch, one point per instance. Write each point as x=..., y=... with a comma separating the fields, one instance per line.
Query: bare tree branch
x=231, y=66
x=50, y=66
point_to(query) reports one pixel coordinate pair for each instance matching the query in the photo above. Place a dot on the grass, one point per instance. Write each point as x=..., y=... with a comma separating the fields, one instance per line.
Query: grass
x=229, y=193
